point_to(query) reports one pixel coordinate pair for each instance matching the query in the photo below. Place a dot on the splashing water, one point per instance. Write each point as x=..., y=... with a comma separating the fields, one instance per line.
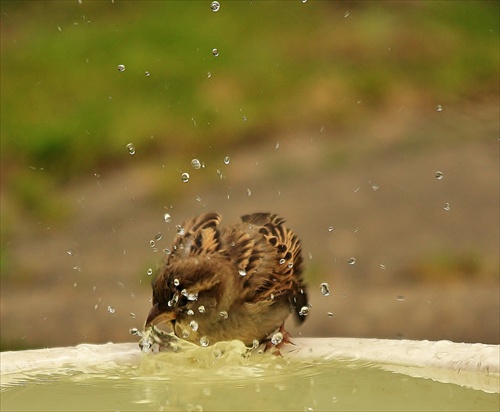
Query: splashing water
x=196, y=164
x=325, y=289
x=131, y=148
x=215, y=6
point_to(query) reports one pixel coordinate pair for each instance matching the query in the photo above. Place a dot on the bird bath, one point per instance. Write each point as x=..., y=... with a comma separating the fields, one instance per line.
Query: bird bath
x=315, y=374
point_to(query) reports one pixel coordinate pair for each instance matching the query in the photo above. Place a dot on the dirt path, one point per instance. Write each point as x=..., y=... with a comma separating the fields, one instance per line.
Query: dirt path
x=87, y=282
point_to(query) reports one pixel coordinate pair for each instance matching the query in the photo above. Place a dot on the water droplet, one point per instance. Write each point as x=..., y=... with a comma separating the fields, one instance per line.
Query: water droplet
x=255, y=344
x=215, y=6
x=75, y=285
x=176, y=282
x=244, y=118
x=192, y=296
x=132, y=315
x=193, y=325
x=201, y=309
x=374, y=186
x=439, y=175
x=147, y=74
x=346, y=14
x=185, y=333
x=242, y=272
x=131, y=148
x=304, y=311
x=190, y=312
x=381, y=266
x=277, y=338
x=185, y=177
x=330, y=228
x=439, y=108
x=135, y=332
x=111, y=309
x=227, y=160
x=158, y=236
x=196, y=164
x=167, y=251
x=121, y=67
x=69, y=252
x=217, y=353
x=330, y=314
x=149, y=272
x=174, y=300
x=304, y=1
x=204, y=341
x=400, y=298
x=447, y=207
x=282, y=261
x=223, y=314
x=325, y=289
x=351, y=261
x=249, y=192
x=215, y=52
x=180, y=229
x=152, y=243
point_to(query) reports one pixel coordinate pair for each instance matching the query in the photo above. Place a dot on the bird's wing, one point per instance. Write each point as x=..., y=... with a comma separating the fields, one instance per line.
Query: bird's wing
x=268, y=257
x=197, y=236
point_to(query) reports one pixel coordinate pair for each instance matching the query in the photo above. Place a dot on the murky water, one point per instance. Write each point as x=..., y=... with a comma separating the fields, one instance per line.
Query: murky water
x=228, y=379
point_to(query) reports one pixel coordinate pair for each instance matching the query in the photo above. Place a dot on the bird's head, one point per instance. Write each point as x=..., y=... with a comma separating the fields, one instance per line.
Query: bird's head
x=186, y=295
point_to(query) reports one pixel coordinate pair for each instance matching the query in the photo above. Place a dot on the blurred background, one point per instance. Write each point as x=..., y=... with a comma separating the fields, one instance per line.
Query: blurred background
x=372, y=127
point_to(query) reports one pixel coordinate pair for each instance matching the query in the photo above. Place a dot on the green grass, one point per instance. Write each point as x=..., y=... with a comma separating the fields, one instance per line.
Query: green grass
x=444, y=265
x=283, y=66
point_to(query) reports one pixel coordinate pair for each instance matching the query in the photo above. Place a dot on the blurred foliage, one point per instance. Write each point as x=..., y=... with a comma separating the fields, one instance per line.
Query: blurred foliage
x=67, y=110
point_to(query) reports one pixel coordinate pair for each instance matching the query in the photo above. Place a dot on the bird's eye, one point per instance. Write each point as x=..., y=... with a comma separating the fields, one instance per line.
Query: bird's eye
x=183, y=301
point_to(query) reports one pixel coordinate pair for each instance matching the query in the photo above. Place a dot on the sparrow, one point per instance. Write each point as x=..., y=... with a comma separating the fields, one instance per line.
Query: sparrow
x=221, y=283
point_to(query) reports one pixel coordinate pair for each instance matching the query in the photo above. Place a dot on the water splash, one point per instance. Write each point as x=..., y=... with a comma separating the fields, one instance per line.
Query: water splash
x=215, y=6
x=131, y=148
x=185, y=177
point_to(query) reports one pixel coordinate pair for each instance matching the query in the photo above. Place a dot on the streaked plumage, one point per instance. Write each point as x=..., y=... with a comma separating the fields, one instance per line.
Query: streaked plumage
x=235, y=282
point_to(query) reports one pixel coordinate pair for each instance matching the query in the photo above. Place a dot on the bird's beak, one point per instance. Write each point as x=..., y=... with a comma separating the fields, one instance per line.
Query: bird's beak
x=157, y=316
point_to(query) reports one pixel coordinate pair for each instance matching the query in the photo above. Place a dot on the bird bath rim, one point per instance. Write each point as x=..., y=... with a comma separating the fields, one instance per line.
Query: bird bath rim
x=473, y=365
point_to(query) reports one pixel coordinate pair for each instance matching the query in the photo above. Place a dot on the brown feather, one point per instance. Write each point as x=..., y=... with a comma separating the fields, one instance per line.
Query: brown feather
x=250, y=272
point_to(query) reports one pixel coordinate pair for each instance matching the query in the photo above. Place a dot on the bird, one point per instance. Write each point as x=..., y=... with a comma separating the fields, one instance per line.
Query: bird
x=234, y=282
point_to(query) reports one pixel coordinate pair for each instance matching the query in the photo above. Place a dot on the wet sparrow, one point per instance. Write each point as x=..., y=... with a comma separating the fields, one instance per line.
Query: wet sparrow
x=235, y=282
